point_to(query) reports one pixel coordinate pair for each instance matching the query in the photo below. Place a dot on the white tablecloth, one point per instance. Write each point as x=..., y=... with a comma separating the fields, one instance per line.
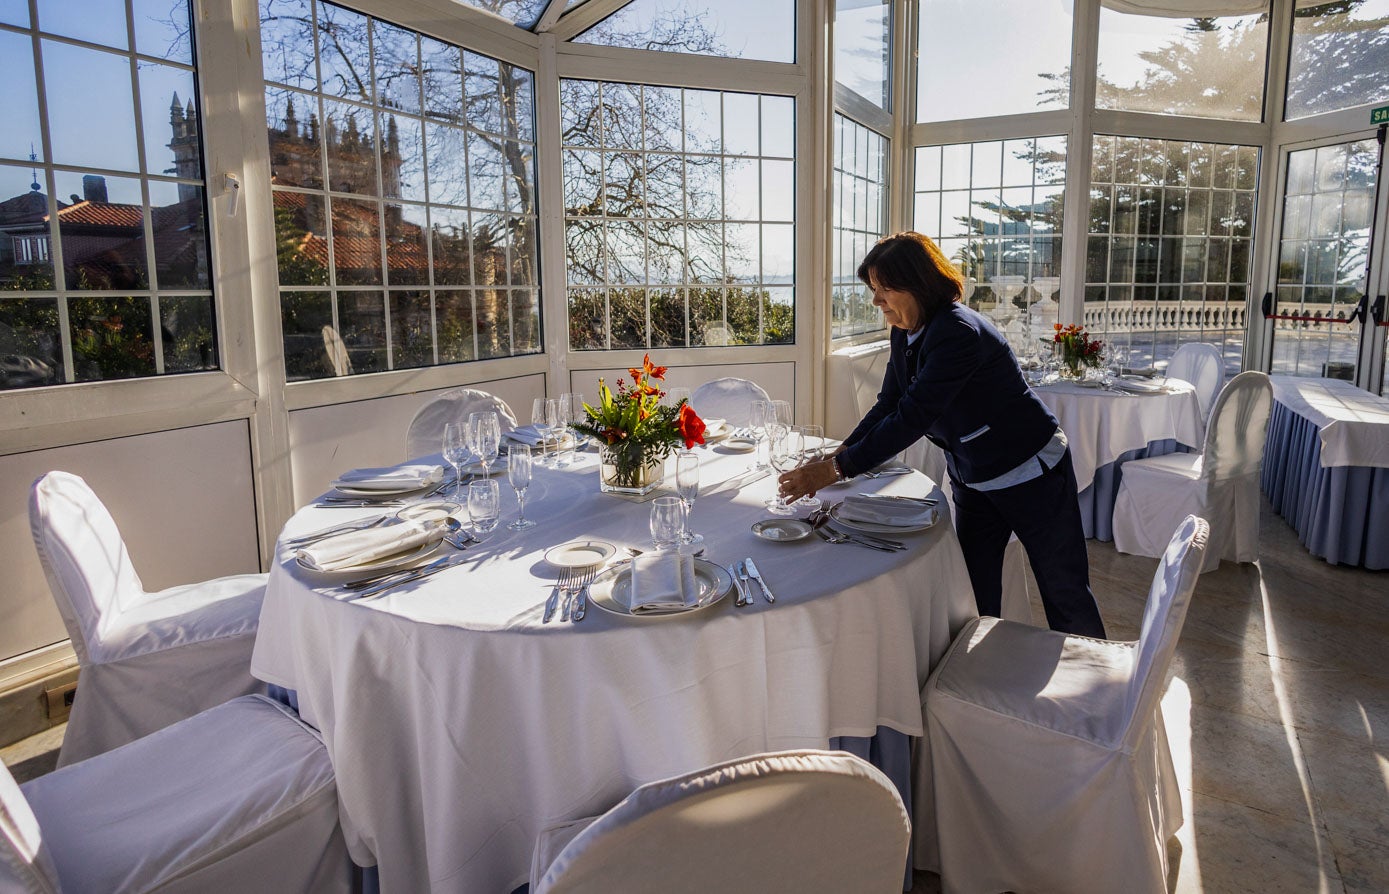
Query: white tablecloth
x=459, y=725
x=1352, y=423
x=1102, y=425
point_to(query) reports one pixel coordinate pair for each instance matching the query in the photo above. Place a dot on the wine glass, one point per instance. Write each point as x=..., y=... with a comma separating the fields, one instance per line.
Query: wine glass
x=757, y=424
x=485, y=434
x=667, y=521
x=456, y=452
x=540, y=421
x=559, y=426
x=577, y=414
x=785, y=454
x=812, y=450
x=484, y=505
x=518, y=474
x=687, y=485
x=675, y=395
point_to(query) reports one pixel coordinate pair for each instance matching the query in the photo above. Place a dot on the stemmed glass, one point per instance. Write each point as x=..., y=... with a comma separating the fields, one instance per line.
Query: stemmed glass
x=785, y=452
x=485, y=438
x=687, y=486
x=577, y=414
x=667, y=521
x=540, y=421
x=456, y=452
x=484, y=505
x=757, y=423
x=518, y=474
x=559, y=426
x=812, y=450
x=675, y=395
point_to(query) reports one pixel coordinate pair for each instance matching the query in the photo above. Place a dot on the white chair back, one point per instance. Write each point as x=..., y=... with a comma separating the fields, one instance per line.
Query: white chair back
x=728, y=398
x=25, y=864
x=804, y=821
x=1168, y=599
x=426, y=432
x=83, y=556
x=1202, y=366
x=1238, y=424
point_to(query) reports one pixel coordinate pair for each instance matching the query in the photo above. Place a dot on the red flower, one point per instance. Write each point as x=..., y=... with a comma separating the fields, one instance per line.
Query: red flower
x=655, y=372
x=690, y=425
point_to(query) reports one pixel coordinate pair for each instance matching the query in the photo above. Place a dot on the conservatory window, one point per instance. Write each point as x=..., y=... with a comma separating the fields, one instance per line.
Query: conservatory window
x=1167, y=259
x=863, y=48
x=404, y=190
x=103, y=165
x=860, y=203
x=765, y=29
x=679, y=216
x=1340, y=56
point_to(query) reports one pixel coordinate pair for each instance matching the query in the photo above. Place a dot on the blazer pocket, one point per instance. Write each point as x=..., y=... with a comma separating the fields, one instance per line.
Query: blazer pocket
x=972, y=435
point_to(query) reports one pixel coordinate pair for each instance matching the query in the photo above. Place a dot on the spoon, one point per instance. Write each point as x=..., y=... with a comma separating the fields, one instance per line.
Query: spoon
x=458, y=537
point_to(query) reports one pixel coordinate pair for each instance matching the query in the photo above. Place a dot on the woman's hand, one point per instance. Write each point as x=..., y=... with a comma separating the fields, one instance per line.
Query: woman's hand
x=807, y=479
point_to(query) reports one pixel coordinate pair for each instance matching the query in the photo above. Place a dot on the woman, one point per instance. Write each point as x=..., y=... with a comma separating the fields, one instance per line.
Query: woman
x=953, y=380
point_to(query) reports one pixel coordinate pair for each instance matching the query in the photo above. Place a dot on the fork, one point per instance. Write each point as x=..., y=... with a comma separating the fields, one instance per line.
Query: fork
x=581, y=602
x=565, y=576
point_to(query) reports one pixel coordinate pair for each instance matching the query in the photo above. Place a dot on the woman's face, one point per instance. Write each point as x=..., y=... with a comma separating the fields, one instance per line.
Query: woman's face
x=899, y=308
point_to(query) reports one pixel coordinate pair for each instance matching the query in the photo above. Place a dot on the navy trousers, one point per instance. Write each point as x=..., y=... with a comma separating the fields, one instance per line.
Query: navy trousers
x=1045, y=514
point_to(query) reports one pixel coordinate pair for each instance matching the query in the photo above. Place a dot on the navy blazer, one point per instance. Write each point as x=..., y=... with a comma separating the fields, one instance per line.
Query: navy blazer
x=959, y=386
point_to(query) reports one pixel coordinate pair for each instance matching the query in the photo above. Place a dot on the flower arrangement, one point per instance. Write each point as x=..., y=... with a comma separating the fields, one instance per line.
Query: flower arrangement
x=1077, y=349
x=635, y=431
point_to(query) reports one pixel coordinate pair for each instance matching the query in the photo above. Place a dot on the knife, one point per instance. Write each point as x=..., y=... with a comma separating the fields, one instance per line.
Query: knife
x=371, y=580
x=417, y=574
x=751, y=567
x=740, y=580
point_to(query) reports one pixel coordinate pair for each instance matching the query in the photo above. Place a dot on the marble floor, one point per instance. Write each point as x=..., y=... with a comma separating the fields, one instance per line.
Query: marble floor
x=1277, y=713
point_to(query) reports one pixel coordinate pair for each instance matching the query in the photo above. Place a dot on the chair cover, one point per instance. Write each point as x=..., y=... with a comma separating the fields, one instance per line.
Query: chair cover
x=426, y=433
x=147, y=659
x=239, y=798
x=1220, y=484
x=804, y=821
x=1049, y=762
x=26, y=867
x=1202, y=366
x=728, y=398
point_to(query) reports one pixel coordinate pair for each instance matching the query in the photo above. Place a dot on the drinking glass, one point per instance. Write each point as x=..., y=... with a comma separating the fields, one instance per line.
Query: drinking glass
x=540, y=421
x=784, y=451
x=518, y=474
x=559, y=427
x=675, y=395
x=667, y=521
x=484, y=505
x=781, y=410
x=485, y=438
x=577, y=414
x=456, y=452
x=812, y=450
x=687, y=485
x=757, y=424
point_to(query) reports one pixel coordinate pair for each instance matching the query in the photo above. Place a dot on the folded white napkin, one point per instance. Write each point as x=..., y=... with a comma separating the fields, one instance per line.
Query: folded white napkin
x=1143, y=387
x=391, y=478
x=359, y=547
x=663, y=581
x=879, y=511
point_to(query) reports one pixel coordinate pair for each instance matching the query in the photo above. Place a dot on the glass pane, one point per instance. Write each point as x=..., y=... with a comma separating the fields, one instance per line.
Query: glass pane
x=168, y=102
x=962, y=56
x=343, y=46
x=407, y=250
x=300, y=246
x=525, y=321
x=489, y=250
x=162, y=29
x=453, y=320
x=190, y=336
x=863, y=49
x=485, y=170
x=452, y=246
x=112, y=338
x=89, y=92
x=396, y=55
x=1340, y=57
x=1205, y=67
x=578, y=113
x=31, y=351
x=349, y=137
x=286, y=42
x=524, y=13
x=731, y=28
x=356, y=242
x=443, y=79
x=518, y=102
x=311, y=342
x=25, y=248
x=179, y=218
x=402, y=157
x=19, y=101
x=412, y=330
x=362, y=325
x=493, y=312
x=481, y=91
x=95, y=21
x=15, y=12
x=524, y=252
x=447, y=163
x=667, y=318
x=292, y=125
x=518, y=161
x=103, y=232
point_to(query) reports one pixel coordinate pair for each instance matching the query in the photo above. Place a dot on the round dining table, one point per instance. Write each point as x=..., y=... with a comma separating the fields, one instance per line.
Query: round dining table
x=460, y=723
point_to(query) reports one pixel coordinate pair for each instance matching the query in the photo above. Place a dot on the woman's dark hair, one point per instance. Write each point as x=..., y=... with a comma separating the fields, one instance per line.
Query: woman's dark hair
x=909, y=262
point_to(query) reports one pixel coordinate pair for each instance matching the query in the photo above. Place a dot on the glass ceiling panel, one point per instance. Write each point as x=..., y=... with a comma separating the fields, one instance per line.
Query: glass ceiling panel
x=520, y=12
x=763, y=30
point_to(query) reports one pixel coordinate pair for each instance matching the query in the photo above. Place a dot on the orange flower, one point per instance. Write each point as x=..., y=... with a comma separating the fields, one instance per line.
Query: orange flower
x=691, y=426
x=655, y=372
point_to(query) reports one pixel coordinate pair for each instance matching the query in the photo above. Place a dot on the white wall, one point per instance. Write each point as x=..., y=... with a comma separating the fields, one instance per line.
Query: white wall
x=778, y=379
x=183, y=500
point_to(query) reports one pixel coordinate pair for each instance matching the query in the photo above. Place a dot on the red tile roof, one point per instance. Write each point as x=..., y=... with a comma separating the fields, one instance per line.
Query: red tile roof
x=101, y=214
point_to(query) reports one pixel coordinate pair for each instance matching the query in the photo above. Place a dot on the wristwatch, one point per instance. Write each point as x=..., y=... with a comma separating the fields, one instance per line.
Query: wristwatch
x=838, y=472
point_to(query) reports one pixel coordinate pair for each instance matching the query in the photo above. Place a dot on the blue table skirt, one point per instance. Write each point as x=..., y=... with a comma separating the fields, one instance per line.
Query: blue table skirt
x=1097, y=500
x=889, y=751
x=1341, y=514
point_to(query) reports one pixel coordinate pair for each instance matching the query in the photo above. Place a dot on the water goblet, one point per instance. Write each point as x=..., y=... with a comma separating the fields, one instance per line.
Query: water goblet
x=559, y=427
x=785, y=454
x=518, y=474
x=757, y=424
x=484, y=505
x=687, y=486
x=812, y=450
x=675, y=395
x=540, y=421
x=667, y=521
x=485, y=435
x=577, y=415
x=456, y=452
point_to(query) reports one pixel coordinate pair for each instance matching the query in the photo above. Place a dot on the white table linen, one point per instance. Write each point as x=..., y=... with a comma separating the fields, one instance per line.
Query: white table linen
x=460, y=726
x=1102, y=425
x=1352, y=423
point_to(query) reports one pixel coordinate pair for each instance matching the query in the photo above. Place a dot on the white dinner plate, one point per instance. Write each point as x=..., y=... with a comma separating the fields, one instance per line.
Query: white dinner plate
x=739, y=444
x=716, y=430
x=385, y=563
x=376, y=493
x=782, y=530
x=583, y=553
x=475, y=467
x=612, y=590
x=874, y=528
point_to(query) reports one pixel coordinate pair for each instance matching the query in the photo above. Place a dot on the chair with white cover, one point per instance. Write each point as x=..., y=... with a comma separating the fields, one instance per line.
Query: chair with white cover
x=1221, y=484
x=804, y=821
x=1202, y=366
x=729, y=398
x=426, y=433
x=1049, y=762
x=147, y=659
x=238, y=798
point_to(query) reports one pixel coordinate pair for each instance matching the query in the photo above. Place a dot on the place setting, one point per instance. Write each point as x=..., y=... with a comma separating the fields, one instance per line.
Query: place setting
x=389, y=485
